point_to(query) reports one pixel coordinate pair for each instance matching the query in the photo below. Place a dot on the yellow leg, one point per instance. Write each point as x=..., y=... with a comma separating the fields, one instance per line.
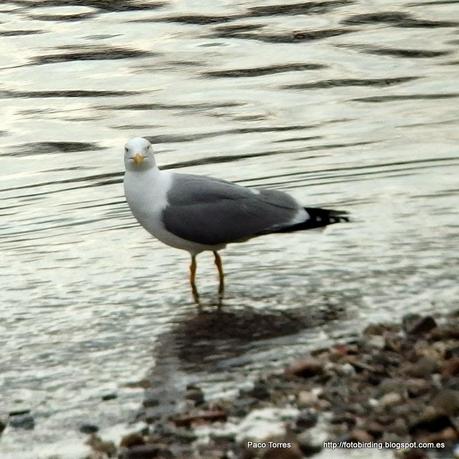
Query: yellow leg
x=193, y=267
x=221, y=274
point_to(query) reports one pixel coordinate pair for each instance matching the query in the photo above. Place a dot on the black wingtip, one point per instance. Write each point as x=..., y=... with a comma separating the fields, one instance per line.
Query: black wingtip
x=322, y=217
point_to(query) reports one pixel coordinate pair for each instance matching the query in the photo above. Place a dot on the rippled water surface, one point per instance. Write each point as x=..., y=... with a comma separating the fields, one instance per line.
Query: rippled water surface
x=342, y=103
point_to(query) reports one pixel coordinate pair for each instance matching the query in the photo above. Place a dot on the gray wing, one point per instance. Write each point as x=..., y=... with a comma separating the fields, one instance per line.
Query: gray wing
x=211, y=212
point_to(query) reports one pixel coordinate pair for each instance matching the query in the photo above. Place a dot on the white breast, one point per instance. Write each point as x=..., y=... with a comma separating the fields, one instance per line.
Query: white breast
x=146, y=194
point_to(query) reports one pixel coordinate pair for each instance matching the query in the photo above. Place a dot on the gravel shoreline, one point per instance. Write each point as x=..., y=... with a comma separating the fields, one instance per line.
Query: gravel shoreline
x=395, y=385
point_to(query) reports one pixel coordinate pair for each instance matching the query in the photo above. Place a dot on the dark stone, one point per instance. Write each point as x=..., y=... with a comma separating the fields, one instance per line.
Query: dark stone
x=2, y=426
x=447, y=401
x=150, y=402
x=22, y=421
x=283, y=453
x=259, y=391
x=195, y=394
x=423, y=368
x=415, y=324
x=417, y=387
x=435, y=423
x=307, y=419
x=415, y=454
x=450, y=367
x=132, y=439
x=305, y=368
x=88, y=428
x=360, y=436
x=19, y=412
x=107, y=448
x=107, y=397
x=147, y=452
x=308, y=444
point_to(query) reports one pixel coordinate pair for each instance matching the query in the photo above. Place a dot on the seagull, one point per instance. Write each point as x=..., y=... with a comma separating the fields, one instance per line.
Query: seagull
x=198, y=213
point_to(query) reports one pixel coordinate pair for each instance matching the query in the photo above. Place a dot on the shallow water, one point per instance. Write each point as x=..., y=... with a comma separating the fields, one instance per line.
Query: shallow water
x=346, y=104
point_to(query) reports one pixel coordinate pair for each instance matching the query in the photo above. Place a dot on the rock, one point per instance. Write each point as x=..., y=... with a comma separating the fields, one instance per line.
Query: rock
x=306, y=399
x=242, y=405
x=345, y=369
x=390, y=399
x=307, y=419
x=291, y=452
x=150, y=402
x=200, y=418
x=445, y=332
x=259, y=391
x=431, y=423
x=19, y=412
x=108, y=397
x=447, y=402
x=414, y=324
x=452, y=352
x=132, y=439
x=361, y=436
x=88, y=428
x=417, y=386
x=22, y=421
x=305, y=368
x=424, y=367
x=141, y=384
x=309, y=444
x=399, y=427
x=375, y=429
x=390, y=385
x=374, y=330
x=445, y=436
x=414, y=454
x=450, y=367
x=195, y=394
x=148, y=451
x=376, y=341
x=107, y=448
x=2, y=425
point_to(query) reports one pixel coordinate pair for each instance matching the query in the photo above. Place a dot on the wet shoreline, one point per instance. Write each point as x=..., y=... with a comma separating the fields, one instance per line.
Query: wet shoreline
x=395, y=384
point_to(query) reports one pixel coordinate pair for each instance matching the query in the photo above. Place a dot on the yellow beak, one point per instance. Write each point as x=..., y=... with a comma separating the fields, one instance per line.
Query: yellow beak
x=138, y=159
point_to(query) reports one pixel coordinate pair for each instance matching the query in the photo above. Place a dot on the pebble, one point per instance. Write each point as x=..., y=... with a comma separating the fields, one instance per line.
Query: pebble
x=259, y=391
x=306, y=367
x=309, y=443
x=22, y=421
x=450, y=367
x=306, y=399
x=146, y=452
x=447, y=401
x=307, y=419
x=2, y=425
x=414, y=324
x=361, y=436
x=202, y=417
x=132, y=439
x=88, y=428
x=195, y=394
x=424, y=367
x=391, y=398
x=107, y=448
x=107, y=397
x=293, y=452
x=417, y=387
x=376, y=341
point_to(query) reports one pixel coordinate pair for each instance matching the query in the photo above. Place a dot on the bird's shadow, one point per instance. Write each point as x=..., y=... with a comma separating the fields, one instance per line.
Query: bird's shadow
x=216, y=332
x=201, y=343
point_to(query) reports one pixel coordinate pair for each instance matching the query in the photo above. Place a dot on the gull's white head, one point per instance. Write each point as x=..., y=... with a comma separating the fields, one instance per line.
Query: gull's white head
x=138, y=155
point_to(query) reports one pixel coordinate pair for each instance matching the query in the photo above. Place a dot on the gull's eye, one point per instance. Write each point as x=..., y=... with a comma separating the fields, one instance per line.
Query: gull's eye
x=126, y=149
